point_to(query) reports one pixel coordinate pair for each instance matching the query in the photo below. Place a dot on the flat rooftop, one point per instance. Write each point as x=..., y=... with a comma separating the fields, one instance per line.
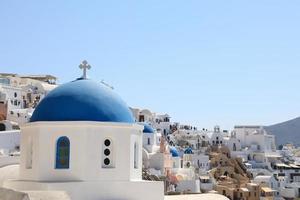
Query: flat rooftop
x=247, y=126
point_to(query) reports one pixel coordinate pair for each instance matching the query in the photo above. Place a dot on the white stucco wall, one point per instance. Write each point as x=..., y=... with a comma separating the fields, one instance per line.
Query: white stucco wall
x=97, y=190
x=151, y=138
x=86, y=141
x=192, y=186
x=217, y=138
x=176, y=162
x=201, y=161
x=85, y=178
x=234, y=144
x=9, y=140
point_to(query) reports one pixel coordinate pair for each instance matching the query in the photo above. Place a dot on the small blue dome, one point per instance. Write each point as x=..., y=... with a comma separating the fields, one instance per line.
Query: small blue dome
x=82, y=100
x=147, y=128
x=174, y=152
x=188, y=151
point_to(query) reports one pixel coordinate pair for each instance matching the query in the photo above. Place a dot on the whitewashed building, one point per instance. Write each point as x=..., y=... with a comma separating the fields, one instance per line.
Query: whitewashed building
x=255, y=137
x=82, y=139
x=19, y=94
x=161, y=123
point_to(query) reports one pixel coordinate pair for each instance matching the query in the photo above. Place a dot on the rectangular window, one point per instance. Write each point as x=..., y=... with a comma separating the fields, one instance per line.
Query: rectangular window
x=29, y=153
x=136, y=156
x=141, y=118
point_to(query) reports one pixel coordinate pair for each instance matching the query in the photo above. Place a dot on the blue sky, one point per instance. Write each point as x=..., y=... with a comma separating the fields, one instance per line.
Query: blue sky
x=203, y=62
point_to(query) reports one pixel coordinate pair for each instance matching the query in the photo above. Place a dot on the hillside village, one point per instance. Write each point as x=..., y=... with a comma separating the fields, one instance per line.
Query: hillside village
x=242, y=164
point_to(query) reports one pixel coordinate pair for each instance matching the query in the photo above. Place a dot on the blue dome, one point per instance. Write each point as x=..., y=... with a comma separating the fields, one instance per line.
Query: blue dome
x=188, y=151
x=147, y=128
x=174, y=152
x=82, y=100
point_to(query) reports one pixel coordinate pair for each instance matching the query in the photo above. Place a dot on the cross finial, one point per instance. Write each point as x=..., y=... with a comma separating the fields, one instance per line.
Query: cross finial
x=84, y=66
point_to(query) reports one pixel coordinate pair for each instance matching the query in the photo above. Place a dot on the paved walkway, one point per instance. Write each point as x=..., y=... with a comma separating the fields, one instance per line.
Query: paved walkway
x=196, y=197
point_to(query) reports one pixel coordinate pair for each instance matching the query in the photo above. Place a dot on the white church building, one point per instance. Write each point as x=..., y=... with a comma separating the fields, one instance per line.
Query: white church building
x=83, y=139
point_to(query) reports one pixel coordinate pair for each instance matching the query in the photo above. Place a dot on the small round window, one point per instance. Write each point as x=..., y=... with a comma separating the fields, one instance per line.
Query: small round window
x=107, y=142
x=106, y=152
x=106, y=161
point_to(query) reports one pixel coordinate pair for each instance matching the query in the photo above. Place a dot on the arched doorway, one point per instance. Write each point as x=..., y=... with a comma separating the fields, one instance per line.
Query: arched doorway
x=2, y=127
x=234, y=147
